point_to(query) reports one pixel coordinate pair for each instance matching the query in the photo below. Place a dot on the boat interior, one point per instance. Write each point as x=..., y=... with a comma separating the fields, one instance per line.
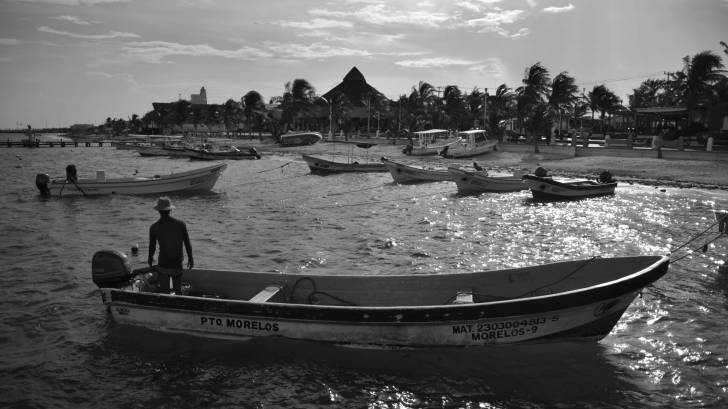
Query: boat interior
x=406, y=290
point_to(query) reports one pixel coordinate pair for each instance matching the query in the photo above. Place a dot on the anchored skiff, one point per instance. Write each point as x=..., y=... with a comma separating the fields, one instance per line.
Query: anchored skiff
x=574, y=300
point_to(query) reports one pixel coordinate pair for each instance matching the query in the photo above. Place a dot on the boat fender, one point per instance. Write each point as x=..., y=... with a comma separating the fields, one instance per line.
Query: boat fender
x=110, y=268
x=41, y=182
x=541, y=172
x=71, y=173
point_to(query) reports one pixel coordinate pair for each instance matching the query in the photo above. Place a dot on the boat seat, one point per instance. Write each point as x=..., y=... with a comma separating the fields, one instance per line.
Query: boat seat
x=463, y=297
x=266, y=294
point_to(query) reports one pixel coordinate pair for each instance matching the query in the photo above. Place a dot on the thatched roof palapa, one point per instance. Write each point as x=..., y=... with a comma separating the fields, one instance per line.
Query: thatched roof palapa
x=355, y=88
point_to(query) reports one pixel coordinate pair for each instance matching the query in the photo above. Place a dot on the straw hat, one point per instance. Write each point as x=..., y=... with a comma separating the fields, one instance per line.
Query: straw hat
x=163, y=203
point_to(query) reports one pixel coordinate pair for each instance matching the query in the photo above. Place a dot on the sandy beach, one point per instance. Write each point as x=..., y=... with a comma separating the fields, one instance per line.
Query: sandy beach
x=651, y=171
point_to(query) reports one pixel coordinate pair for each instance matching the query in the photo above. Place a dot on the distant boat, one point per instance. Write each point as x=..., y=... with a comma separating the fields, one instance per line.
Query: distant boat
x=320, y=165
x=430, y=142
x=579, y=300
x=546, y=188
x=215, y=152
x=478, y=182
x=191, y=180
x=406, y=173
x=471, y=143
x=300, y=138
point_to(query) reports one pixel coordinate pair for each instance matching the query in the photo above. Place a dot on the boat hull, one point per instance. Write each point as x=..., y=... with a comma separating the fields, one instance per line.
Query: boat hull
x=473, y=182
x=209, y=155
x=323, y=166
x=300, y=139
x=544, y=188
x=402, y=173
x=587, y=312
x=468, y=150
x=194, y=180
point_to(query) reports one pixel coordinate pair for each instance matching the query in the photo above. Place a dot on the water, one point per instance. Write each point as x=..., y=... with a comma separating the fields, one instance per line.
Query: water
x=59, y=348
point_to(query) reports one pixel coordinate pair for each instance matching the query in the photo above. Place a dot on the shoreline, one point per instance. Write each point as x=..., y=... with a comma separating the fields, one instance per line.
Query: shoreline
x=679, y=173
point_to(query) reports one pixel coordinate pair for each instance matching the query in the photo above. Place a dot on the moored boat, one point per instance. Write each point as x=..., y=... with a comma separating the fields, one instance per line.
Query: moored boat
x=191, y=180
x=429, y=142
x=546, y=188
x=300, y=138
x=473, y=182
x=320, y=165
x=407, y=173
x=471, y=143
x=214, y=152
x=570, y=300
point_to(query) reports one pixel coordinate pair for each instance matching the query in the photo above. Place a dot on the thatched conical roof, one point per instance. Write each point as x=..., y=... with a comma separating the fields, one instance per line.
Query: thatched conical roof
x=355, y=88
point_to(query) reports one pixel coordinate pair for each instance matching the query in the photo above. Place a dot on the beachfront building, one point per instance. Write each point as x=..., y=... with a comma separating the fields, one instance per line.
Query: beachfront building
x=199, y=99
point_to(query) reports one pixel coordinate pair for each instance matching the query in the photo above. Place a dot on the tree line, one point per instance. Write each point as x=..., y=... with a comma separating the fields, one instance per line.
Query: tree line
x=537, y=106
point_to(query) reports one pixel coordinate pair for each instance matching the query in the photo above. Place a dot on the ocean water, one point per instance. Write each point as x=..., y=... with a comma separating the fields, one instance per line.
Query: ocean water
x=59, y=348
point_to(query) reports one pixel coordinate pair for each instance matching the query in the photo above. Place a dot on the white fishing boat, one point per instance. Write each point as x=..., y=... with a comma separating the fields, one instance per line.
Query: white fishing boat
x=571, y=300
x=321, y=165
x=471, y=143
x=217, y=152
x=409, y=173
x=473, y=182
x=300, y=138
x=546, y=188
x=187, y=181
x=430, y=142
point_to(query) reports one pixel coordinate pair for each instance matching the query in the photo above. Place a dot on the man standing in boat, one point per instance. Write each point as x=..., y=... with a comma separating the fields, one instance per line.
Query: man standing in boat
x=171, y=234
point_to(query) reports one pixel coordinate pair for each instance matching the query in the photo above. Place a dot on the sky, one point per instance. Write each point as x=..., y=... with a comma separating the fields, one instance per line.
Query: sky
x=64, y=62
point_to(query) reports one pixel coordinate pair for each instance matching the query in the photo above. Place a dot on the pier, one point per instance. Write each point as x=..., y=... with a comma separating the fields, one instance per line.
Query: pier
x=56, y=144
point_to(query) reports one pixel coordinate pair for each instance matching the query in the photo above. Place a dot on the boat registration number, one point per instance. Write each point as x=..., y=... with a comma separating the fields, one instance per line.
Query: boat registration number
x=237, y=323
x=494, y=330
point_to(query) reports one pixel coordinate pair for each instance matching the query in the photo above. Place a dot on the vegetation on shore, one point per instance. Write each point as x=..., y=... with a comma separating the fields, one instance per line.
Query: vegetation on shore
x=534, y=107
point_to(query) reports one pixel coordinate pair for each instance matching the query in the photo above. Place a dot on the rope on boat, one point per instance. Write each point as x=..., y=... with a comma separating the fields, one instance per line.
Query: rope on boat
x=277, y=167
x=387, y=201
x=702, y=248
x=695, y=237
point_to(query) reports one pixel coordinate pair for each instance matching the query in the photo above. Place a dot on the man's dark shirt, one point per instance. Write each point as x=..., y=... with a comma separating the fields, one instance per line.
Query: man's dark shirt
x=171, y=235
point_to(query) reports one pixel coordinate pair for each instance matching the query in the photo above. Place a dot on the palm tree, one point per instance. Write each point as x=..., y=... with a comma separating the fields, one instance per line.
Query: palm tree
x=230, y=115
x=603, y=100
x=252, y=108
x=474, y=104
x=298, y=97
x=563, y=96
x=701, y=72
x=454, y=106
x=501, y=106
x=531, y=97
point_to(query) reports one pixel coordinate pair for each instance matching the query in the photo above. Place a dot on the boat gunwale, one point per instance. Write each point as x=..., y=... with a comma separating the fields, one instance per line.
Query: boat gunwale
x=575, y=186
x=536, y=304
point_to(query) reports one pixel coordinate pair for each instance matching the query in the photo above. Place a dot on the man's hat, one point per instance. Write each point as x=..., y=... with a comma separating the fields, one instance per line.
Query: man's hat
x=163, y=203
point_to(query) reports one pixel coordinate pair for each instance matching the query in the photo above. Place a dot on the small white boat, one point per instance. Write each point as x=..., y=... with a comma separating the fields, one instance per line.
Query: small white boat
x=580, y=300
x=546, y=188
x=320, y=165
x=191, y=180
x=473, y=182
x=406, y=173
x=429, y=142
x=471, y=143
x=300, y=138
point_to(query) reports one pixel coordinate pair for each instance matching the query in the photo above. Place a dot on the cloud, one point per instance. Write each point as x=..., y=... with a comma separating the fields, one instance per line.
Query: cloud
x=158, y=51
x=73, y=19
x=381, y=14
x=9, y=41
x=494, y=21
x=313, y=51
x=435, y=62
x=112, y=34
x=491, y=67
x=316, y=24
x=121, y=77
x=555, y=9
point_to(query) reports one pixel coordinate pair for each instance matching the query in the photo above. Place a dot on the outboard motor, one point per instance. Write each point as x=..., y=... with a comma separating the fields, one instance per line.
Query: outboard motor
x=541, y=172
x=41, y=182
x=71, y=173
x=605, y=177
x=110, y=268
x=254, y=152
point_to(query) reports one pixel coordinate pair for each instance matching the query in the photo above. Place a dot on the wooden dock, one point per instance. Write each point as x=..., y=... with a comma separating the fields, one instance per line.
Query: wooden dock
x=54, y=144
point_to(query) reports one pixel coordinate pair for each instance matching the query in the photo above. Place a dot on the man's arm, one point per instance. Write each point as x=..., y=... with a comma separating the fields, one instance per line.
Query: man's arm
x=152, y=245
